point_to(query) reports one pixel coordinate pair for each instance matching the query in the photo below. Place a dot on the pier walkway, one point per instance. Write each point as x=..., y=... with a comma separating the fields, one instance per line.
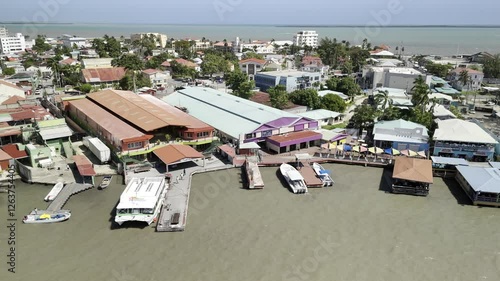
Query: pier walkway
x=69, y=190
x=254, y=177
x=173, y=214
x=310, y=177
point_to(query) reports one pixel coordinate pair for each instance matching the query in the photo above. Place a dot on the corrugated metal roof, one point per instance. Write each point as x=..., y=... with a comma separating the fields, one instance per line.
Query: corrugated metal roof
x=84, y=166
x=110, y=74
x=13, y=151
x=449, y=161
x=55, y=133
x=174, y=153
x=137, y=110
x=461, y=131
x=413, y=169
x=319, y=114
x=481, y=179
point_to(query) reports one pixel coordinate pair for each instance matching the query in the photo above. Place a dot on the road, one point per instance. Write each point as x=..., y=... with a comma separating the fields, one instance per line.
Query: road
x=350, y=111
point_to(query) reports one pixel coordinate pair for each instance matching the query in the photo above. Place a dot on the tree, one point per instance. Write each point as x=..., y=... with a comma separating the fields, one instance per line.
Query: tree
x=40, y=45
x=456, y=112
x=420, y=95
x=129, y=62
x=348, y=86
x=113, y=47
x=99, y=46
x=491, y=66
x=278, y=96
x=9, y=71
x=213, y=63
x=86, y=88
x=307, y=97
x=182, y=71
x=238, y=82
x=253, y=55
x=53, y=64
x=333, y=102
x=364, y=117
x=464, y=79
x=440, y=70
x=332, y=83
x=184, y=49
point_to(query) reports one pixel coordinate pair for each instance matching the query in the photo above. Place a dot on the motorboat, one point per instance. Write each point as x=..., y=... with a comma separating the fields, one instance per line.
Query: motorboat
x=323, y=174
x=54, y=191
x=44, y=216
x=293, y=178
x=105, y=182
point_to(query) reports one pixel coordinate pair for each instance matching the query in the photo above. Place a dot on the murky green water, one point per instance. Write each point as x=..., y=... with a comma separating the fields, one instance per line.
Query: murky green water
x=353, y=231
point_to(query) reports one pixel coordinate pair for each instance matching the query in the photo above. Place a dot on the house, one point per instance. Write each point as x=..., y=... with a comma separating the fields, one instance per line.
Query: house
x=157, y=77
x=69, y=61
x=187, y=63
x=463, y=139
x=291, y=79
x=412, y=176
x=401, y=134
x=323, y=117
x=306, y=38
x=70, y=41
x=251, y=66
x=40, y=156
x=9, y=90
x=481, y=184
x=480, y=57
x=55, y=134
x=103, y=76
x=389, y=77
x=381, y=53
x=97, y=63
x=223, y=46
x=475, y=79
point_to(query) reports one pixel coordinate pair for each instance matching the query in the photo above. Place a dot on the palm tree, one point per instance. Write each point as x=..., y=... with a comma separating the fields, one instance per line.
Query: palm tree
x=420, y=96
x=53, y=64
x=382, y=99
x=464, y=79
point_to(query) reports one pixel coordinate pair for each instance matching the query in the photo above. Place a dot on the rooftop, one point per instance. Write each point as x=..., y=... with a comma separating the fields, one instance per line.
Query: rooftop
x=319, y=114
x=14, y=152
x=413, y=169
x=84, y=166
x=481, y=179
x=457, y=130
x=108, y=74
x=141, y=193
x=174, y=153
x=252, y=60
x=288, y=73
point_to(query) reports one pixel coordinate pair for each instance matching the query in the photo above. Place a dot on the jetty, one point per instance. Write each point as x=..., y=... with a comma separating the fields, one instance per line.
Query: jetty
x=63, y=196
x=254, y=178
x=310, y=177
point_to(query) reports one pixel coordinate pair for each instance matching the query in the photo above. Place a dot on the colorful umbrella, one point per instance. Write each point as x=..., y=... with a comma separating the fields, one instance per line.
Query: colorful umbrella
x=356, y=148
x=392, y=151
x=347, y=147
x=408, y=152
x=422, y=154
x=376, y=150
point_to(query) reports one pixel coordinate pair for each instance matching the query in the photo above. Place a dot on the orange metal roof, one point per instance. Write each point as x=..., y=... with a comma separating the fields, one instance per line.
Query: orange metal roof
x=413, y=169
x=259, y=61
x=136, y=110
x=84, y=166
x=228, y=150
x=174, y=153
x=13, y=100
x=119, y=129
x=109, y=74
x=14, y=152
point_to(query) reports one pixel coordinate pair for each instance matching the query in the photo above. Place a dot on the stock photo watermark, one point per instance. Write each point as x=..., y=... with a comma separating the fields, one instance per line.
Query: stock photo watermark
x=11, y=222
x=222, y=7
x=47, y=10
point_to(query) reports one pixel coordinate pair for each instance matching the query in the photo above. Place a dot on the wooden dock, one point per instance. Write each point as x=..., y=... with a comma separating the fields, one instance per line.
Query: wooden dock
x=63, y=196
x=254, y=177
x=310, y=177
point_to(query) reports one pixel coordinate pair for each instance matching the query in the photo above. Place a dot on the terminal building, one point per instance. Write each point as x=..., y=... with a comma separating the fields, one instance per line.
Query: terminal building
x=292, y=80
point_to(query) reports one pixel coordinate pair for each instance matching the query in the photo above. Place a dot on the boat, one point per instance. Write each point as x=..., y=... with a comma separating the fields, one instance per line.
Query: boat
x=44, y=216
x=54, y=191
x=293, y=178
x=105, y=182
x=323, y=174
x=141, y=200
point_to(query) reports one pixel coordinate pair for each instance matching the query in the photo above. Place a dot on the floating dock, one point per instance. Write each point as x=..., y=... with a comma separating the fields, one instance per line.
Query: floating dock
x=310, y=177
x=63, y=197
x=254, y=177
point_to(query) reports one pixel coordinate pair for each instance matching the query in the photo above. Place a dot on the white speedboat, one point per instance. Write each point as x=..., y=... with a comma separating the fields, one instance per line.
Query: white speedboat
x=54, y=192
x=323, y=174
x=293, y=178
x=105, y=182
x=44, y=216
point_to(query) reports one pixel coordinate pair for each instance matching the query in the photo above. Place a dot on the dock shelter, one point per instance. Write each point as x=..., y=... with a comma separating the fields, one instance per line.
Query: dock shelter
x=412, y=176
x=85, y=168
x=446, y=166
x=482, y=185
x=176, y=154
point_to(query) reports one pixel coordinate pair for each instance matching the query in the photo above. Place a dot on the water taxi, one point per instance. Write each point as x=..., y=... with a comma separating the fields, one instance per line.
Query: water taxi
x=54, y=192
x=141, y=200
x=44, y=216
x=323, y=174
x=293, y=178
x=105, y=182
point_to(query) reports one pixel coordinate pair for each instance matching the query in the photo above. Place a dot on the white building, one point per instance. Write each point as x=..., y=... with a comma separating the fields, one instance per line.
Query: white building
x=161, y=38
x=390, y=77
x=158, y=78
x=12, y=44
x=69, y=41
x=3, y=32
x=97, y=63
x=306, y=38
x=292, y=80
x=8, y=90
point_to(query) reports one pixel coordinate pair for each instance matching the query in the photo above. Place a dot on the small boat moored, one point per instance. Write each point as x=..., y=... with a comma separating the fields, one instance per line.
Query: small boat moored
x=54, y=191
x=44, y=216
x=105, y=182
x=293, y=178
x=323, y=174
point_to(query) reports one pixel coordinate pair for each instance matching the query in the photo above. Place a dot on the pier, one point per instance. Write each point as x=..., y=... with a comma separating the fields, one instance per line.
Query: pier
x=254, y=177
x=173, y=214
x=310, y=177
x=63, y=197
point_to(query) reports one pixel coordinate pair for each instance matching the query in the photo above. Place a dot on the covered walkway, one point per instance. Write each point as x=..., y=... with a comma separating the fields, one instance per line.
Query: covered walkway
x=175, y=154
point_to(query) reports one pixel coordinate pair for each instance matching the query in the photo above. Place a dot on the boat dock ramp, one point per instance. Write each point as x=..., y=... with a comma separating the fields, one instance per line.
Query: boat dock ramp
x=254, y=178
x=63, y=196
x=310, y=177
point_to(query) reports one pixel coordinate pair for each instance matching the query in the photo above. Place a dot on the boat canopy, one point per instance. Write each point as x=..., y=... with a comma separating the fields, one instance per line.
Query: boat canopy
x=45, y=216
x=295, y=176
x=323, y=171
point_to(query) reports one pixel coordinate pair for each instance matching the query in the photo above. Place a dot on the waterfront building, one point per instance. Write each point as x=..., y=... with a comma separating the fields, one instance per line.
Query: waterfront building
x=293, y=141
x=292, y=80
x=3, y=31
x=236, y=119
x=475, y=78
x=175, y=154
x=412, y=176
x=109, y=128
x=401, y=134
x=161, y=39
x=70, y=41
x=251, y=66
x=306, y=38
x=481, y=184
x=11, y=44
x=463, y=139
x=106, y=77
x=55, y=134
x=323, y=117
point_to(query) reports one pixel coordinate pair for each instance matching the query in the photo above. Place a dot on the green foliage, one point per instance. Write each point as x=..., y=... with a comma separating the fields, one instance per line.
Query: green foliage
x=341, y=55
x=62, y=51
x=40, y=45
x=238, y=82
x=333, y=102
x=213, y=63
x=127, y=82
x=113, y=47
x=182, y=71
x=146, y=44
x=420, y=93
x=440, y=70
x=253, y=55
x=99, y=46
x=184, y=48
x=421, y=117
x=307, y=97
x=331, y=84
x=9, y=71
x=456, y=112
x=70, y=74
x=364, y=116
x=129, y=61
x=278, y=96
x=464, y=79
x=156, y=61
x=85, y=88
x=491, y=66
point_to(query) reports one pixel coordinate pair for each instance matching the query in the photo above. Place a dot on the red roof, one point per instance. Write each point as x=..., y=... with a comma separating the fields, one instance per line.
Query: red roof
x=14, y=152
x=68, y=61
x=109, y=74
x=13, y=100
x=4, y=156
x=84, y=166
x=293, y=136
x=458, y=70
x=311, y=60
x=174, y=153
x=166, y=64
x=254, y=60
x=150, y=71
x=228, y=150
x=186, y=63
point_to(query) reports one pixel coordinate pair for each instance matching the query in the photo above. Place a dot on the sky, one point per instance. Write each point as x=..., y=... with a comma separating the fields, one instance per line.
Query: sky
x=265, y=12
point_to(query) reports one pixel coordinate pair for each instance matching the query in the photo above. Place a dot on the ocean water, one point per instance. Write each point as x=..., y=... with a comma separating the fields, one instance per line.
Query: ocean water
x=416, y=40
x=353, y=231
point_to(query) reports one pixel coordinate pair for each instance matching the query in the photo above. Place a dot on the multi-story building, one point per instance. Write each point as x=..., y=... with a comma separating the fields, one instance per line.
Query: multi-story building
x=161, y=38
x=12, y=44
x=292, y=80
x=390, y=77
x=475, y=79
x=251, y=66
x=70, y=41
x=157, y=77
x=306, y=38
x=3, y=32
x=463, y=139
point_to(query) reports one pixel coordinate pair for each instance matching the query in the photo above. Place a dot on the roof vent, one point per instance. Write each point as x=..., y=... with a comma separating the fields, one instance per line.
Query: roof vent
x=261, y=108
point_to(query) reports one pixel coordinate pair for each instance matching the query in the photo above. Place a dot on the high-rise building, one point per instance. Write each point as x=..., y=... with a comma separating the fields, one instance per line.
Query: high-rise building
x=3, y=31
x=11, y=44
x=306, y=38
